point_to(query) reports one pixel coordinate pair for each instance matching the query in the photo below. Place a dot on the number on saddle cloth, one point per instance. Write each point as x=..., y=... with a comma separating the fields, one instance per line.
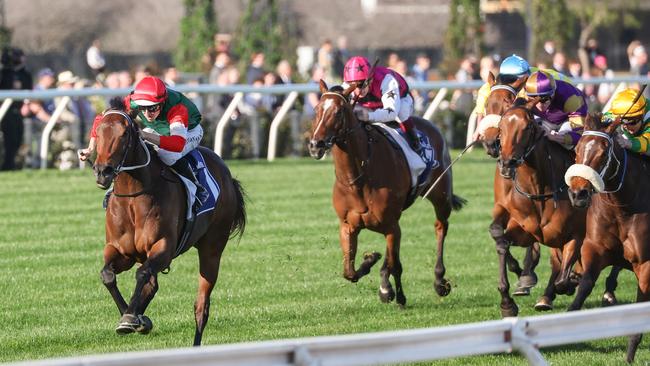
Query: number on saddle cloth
x=205, y=178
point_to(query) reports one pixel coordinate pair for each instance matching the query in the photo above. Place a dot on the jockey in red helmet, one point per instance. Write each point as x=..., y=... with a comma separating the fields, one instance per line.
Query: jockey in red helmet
x=170, y=121
x=383, y=96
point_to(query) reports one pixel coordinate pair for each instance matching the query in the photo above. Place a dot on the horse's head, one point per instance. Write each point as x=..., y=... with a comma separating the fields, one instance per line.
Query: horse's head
x=503, y=92
x=518, y=135
x=334, y=119
x=594, y=157
x=116, y=135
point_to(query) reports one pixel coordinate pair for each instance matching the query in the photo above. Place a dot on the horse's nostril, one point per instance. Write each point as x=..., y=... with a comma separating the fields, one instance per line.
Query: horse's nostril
x=582, y=194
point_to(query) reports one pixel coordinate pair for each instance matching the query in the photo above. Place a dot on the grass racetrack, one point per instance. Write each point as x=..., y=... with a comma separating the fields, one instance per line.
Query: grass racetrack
x=282, y=280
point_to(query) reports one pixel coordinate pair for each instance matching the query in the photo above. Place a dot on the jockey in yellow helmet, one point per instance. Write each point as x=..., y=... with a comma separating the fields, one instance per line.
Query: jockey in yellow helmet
x=635, y=117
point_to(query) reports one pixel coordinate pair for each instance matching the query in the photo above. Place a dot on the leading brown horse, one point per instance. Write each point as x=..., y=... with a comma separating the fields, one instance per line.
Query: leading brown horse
x=538, y=206
x=612, y=185
x=372, y=186
x=145, y=218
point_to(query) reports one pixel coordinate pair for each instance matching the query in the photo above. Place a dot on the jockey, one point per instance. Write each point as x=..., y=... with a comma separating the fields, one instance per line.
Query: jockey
x=562, y=107
x=171, y=122
x=635, y=117
x=383, y=96
x=512, y=68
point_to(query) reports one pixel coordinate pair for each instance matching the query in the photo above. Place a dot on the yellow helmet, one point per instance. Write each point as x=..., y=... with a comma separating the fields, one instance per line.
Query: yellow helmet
x=622, y=104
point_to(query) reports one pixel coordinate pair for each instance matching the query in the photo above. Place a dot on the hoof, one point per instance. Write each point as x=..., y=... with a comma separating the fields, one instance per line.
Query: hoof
x=386, y=295
x=521, y=291
x=511, y=311
x=371, y=257
x=145, y=325
x=401, y=301
x=527, y=281
x=128, y=324
x=609, y=299
x=443, y=288
x=543, y=304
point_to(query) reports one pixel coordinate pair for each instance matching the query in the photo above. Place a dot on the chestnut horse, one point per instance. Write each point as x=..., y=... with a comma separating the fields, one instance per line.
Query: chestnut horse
x=145, y=218
x=538, y=206
x=503, y=92
x=611, y=184
x=372, y=186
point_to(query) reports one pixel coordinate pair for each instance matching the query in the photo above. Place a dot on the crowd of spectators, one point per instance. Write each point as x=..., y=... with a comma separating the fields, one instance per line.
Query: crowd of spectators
x=25, y=120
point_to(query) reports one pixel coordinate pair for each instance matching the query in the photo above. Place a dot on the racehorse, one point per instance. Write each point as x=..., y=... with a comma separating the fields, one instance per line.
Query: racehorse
x=610, y=183
x=537, y=205
x=372, y=186
x=145, y=217
x=503, y=92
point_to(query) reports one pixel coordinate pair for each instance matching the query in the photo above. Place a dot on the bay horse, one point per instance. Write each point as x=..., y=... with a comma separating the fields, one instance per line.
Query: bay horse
x=372, y=186
x=145, y=217
x=610, y=184
x=503, y=92
x=538, y=206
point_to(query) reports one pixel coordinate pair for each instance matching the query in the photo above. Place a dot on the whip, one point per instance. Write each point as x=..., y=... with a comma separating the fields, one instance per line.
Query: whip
x=449, y=167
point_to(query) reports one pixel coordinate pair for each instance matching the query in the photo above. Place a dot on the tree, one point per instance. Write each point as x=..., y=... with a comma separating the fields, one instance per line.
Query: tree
x=264, y=28
x=549, y=20
x=198, y=27
x=464, y=34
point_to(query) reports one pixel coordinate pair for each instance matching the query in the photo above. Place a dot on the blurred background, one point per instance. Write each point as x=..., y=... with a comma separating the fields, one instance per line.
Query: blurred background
x=68, y=44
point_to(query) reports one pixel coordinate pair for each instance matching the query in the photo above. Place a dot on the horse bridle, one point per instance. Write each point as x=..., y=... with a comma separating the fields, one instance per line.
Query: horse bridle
x=610, y=154
x=339, y=136
x=535, y=139
x=130, y=129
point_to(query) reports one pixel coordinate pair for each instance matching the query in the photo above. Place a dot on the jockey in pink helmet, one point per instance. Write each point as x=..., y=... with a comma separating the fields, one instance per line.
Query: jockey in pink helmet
x=383, y=96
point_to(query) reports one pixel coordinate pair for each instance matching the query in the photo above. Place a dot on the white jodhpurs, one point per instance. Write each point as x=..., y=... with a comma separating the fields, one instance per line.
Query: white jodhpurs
x=192, y=141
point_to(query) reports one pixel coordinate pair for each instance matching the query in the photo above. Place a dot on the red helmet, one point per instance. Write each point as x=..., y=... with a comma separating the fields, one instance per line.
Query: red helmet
x=149, y=91
x=357, y=68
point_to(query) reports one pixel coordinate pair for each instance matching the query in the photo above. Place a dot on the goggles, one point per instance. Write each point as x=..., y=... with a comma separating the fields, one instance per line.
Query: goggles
x=151, y=108
x=630, y=121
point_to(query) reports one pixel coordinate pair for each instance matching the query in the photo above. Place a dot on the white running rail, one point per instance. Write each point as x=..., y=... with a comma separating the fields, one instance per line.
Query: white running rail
x=523, y=335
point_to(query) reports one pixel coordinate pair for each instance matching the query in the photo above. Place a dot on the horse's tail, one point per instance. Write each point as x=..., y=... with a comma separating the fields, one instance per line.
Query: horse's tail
x=239, y=223
x=457, y=202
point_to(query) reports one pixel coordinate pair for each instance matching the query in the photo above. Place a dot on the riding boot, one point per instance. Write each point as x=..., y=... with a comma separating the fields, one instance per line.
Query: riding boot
x=182, y=167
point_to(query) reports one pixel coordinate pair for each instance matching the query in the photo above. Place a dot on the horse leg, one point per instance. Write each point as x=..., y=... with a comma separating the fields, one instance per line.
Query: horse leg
x=501, y=216
x=592, y=264
x=146, y=287
x=508, y=305
x=528, y=278
x=115, y=263
x=348, y=238
x=642, y=273
x=609, y=298
x=545, y=303
x=442, y=207
x=209, y=260
x=392, y=266
x=570, y=253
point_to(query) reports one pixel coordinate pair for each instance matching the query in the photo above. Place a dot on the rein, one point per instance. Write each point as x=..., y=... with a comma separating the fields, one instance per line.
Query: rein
x=120, y=167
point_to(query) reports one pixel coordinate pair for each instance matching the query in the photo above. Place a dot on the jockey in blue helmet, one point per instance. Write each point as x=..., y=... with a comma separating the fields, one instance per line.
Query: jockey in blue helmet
x=515, y=66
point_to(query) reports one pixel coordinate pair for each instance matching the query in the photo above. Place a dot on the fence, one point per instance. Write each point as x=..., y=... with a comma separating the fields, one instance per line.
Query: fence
x=523, y=335
x=291, y=90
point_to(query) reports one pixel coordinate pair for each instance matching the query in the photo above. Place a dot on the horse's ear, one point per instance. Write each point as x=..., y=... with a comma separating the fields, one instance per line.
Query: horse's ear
x=323, y=86
x=613, y=126
x=349, y=90
x=491, y=79
x=531, y=102
x=520, y=82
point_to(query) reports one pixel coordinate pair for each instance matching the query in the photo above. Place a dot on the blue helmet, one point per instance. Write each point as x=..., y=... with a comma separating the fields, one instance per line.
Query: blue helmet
x=514, y=65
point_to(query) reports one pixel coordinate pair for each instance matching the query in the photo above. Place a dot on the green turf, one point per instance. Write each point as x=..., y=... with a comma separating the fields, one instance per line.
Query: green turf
x=282, y=280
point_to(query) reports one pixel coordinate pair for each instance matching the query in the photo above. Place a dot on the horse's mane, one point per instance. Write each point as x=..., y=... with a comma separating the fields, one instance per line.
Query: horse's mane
x=336, y=89
x=594, y=122
x=117, y=103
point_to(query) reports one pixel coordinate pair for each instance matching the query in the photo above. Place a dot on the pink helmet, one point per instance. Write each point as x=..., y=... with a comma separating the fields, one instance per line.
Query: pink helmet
x=357, y=68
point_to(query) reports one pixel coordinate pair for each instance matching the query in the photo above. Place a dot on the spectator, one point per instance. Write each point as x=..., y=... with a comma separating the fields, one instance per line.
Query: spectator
x=284, y=72
x=560, y=63
x=549, y=48
x=255, y=70
x=221, y=61
x=171, y=76
x=462, y=100
x=421, y=72
x=125, y=79
x=392, y=60
x=486, y=65
x=95, y=58
x=325, y=58
x=575, y=69
x=341, y=55
x=601, y=70
x=13, y=76
x=73, y=123
x=312, y=99
x=38, y=113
